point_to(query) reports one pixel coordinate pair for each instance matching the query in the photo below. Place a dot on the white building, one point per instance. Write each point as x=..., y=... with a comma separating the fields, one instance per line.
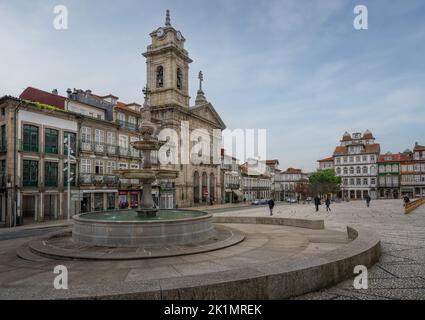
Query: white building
x=356, y=162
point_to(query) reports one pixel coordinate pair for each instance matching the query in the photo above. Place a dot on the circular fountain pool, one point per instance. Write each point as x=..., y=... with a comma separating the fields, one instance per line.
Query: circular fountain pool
x=125, y=228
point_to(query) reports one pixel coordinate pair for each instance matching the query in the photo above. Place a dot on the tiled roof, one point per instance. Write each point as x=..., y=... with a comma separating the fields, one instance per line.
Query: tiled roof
x=396, y=157
x=37, y=95
x=292, y=170
x=326, y=159
x=368, y=148
x=419, y=148
x=124, y=107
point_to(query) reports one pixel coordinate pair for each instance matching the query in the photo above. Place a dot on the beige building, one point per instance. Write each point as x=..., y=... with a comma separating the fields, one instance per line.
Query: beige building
x=167, y=80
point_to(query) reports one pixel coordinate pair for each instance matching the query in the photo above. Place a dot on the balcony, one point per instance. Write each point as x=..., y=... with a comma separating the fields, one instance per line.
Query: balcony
x=95, y=179
x=127, y=125
x=99, y=148
x=129, y=152
x=233, y=186
x=129, y=182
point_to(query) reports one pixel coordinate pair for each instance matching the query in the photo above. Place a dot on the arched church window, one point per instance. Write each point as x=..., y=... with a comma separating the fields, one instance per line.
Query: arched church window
x=179, y=79
x=159, y=77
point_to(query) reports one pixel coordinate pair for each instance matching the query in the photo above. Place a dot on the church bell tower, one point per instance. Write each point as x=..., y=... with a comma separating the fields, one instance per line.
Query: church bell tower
x=167, y=67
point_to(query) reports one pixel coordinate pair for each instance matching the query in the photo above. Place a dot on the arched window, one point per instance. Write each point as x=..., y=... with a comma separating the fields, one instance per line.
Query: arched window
x=212, y=187
x=338, y=170
x=179, y=79
x=345, y=170
x=364, y=170
x=358, y=170
x=351, y=170
x=196, y=187
x=159, y=77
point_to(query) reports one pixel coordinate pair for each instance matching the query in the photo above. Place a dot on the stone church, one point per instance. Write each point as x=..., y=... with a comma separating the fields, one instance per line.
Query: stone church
x=167, y=95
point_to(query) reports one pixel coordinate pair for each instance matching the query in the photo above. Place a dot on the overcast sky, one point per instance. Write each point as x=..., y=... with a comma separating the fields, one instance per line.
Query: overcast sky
x=296, y=68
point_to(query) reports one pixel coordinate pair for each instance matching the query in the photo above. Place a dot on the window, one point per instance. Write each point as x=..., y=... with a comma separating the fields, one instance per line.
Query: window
x=372, y=158
x=358, y=159
x=365, y=170
x=51, y=141
x=73, y=175
x=345, y=159
x=30, y=173
x=352, y=182
x=345, y=170
x=3, y=112
x=159, y=77
x=110, y=167
x=3, y=143
x=30, y=141
x=110, y=138
x=123, y=165
x=179, y=79
x=133, y=121
x=99, y=139
x=358, y=170
x=73, y=143
x=85, y=166
x=99, y=167
x=365, y=181
x=351, y=170
x=373, y=181
x=338, y=171
x=358, y=181
x=51, y=174
x=351, y=159
x=85, y=134
x=364, y=158
x=123, y=142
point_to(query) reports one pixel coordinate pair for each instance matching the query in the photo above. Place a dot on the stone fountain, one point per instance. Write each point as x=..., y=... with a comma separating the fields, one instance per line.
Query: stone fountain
x=148, y=225
x=147, y=175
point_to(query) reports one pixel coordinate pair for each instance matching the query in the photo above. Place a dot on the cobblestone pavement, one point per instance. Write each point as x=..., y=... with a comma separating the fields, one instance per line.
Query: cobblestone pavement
x=400, y=273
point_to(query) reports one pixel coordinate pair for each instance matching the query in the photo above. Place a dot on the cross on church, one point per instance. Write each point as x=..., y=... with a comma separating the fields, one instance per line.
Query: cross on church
x=201, y=78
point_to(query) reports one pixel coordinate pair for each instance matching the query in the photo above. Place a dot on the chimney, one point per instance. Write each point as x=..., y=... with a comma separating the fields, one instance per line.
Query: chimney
x=55, y=91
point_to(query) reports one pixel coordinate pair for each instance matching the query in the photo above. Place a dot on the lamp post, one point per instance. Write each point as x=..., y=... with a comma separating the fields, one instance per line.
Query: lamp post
x=68, y=169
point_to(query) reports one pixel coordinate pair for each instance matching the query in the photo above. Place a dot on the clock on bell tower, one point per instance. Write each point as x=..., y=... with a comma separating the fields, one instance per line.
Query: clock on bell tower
x=167, y=67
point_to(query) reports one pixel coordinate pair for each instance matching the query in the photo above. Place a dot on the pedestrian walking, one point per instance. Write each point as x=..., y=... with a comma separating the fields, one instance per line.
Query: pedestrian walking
x=368, y=200
x=271, y=206
x=328, y=204
x=317, y=203
x=406, y=200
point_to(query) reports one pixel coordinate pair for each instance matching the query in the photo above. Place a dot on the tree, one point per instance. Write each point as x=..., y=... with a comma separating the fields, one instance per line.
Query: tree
x=324, y=182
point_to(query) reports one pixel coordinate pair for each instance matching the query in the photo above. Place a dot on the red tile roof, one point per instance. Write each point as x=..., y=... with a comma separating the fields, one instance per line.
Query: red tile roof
x=124, y=107
x=326, y=159
x=37, y=95
x=368, y=148
x=419, y=148
x=292, y=170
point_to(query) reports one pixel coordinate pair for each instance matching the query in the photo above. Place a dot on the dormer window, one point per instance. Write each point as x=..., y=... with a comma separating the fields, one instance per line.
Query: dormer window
x=159, y=77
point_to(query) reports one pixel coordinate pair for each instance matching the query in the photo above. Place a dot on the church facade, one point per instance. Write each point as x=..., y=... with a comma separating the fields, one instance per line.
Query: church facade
x=167, y=95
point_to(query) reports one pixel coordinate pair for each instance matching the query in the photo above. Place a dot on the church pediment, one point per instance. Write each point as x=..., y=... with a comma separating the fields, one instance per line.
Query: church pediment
x=208, y=112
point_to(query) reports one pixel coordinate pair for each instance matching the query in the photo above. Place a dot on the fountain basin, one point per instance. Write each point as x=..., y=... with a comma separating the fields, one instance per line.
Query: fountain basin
x=128, y=229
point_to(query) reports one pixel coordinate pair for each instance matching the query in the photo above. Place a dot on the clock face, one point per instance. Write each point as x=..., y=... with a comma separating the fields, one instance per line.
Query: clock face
x=160, y=32
x=179, y=36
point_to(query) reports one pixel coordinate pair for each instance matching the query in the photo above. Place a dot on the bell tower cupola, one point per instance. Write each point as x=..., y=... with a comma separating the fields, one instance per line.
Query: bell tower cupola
x=167, y=67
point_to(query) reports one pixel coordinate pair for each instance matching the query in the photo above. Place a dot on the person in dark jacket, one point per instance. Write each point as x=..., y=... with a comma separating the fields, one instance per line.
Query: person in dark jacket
x=317, y=203
x=368, y=200
x=328, y=204
x=406, y=200
x=271, y=206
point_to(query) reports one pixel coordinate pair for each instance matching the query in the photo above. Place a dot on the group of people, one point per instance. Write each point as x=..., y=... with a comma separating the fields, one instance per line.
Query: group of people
x=317, y=203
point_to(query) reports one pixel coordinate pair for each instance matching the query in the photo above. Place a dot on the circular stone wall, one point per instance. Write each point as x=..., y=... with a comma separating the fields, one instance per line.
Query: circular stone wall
x=137, y=233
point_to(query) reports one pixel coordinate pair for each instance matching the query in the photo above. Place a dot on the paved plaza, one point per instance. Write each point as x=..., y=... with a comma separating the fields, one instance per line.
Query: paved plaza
x=400, y=274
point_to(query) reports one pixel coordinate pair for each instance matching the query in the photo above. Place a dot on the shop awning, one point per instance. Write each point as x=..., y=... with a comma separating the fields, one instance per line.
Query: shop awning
x=238, y=193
